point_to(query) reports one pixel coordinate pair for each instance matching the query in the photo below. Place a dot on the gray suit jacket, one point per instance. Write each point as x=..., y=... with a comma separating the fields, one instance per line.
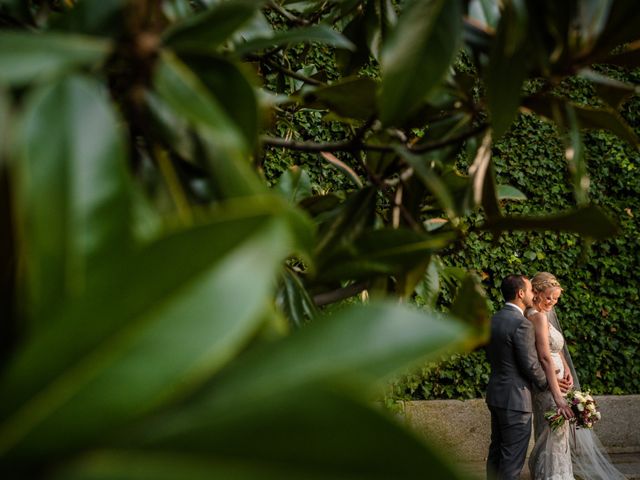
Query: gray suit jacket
x=514, y=361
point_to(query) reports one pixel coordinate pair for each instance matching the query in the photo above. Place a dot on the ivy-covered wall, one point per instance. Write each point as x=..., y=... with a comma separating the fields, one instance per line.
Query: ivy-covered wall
x=600, y=307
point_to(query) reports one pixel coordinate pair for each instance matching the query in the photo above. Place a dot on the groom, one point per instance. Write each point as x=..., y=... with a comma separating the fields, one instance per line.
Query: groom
x=514, y=369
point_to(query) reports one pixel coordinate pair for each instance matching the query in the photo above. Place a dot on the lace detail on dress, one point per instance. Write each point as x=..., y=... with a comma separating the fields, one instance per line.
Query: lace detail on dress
x=550, y=458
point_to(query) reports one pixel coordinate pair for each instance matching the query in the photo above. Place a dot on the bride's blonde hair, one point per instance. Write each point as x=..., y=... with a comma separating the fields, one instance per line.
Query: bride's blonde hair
x=543, y=280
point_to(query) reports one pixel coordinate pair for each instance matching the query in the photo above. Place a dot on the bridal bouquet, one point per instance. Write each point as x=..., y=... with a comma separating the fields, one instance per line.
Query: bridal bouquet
x=584, y=408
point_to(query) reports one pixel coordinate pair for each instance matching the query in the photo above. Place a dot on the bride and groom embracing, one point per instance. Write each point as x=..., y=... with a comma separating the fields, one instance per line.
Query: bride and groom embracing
x=531, y=371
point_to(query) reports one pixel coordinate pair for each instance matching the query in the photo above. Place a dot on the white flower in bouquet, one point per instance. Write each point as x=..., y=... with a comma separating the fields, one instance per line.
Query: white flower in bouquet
x=584, y=408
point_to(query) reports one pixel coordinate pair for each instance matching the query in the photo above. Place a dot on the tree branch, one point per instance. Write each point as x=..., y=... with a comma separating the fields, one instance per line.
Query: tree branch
x=287, y=14
x=340, y=294
x=430, y=146
x=343, y=146
x=356, y=144
x=291, y=73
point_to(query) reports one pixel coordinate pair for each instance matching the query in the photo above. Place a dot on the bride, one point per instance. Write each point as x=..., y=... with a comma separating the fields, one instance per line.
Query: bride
x=554, y=455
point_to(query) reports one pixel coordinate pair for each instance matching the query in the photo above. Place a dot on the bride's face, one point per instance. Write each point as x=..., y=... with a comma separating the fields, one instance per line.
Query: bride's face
x=546, y=300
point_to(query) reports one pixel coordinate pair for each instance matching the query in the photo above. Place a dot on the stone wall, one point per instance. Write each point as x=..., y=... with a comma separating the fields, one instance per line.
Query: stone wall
x=462, y=428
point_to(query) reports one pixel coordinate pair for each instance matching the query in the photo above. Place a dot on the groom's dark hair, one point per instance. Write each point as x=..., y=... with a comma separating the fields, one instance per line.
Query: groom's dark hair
x=511, y=285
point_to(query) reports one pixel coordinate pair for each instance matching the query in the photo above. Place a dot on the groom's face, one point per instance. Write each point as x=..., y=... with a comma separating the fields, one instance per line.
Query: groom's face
x=527, y=298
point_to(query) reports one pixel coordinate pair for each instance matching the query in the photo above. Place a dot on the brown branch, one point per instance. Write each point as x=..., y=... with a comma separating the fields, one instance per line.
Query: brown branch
x=428, y=147
x=291, y=73
x=356, y=144
x=382, y=187
x=307, y=146
x=287, y=14
x=340, y=294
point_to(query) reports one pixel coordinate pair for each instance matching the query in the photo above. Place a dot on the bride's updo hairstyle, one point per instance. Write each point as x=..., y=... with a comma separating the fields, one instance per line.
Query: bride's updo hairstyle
x=543, y=280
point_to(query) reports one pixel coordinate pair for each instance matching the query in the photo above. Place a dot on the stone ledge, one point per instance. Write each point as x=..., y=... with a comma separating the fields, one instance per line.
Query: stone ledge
x=462, y=427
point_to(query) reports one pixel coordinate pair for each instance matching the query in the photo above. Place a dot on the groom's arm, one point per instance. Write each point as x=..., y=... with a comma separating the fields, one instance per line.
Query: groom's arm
x=527, y=357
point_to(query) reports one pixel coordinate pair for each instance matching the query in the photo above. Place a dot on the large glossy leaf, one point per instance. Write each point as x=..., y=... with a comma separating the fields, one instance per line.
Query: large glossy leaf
x=432, y=181
x=508, y=192
x=17, y=9
x=575, y=155
x=174, y=129
x=226, y=147
x=8, y=243
x=232, y=88
x=482, y=175
x=385, y=251
x=428, y=289
x=311, y=433
x=388, y=337
x=620, y=27
x=316, y=33
x=349, y=98
x=588, y=117
x=607, y=119
x=592, y=16
x=359, y=30
x=484, y=12
x=294, y=300
x=587, y=221
x=506, y=72
x=206, y=31
x=417, y=55
x=161, y=323
x=104, y=18
x=5, y=124
x=472, y=306
x=294, y=184
x=347, y=221
x=74, y=189
x=612, y=91
x=27, y=57
x=180, y=87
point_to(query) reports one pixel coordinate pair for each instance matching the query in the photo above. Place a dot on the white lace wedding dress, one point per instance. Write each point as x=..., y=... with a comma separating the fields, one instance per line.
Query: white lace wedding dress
x=550, y=458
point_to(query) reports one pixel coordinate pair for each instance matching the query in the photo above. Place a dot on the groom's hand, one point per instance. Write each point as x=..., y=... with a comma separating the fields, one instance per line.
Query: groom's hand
x=568, y=376
x=565, y=385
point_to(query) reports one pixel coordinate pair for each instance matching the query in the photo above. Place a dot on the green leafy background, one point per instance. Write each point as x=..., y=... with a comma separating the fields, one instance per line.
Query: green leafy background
x=600, y=308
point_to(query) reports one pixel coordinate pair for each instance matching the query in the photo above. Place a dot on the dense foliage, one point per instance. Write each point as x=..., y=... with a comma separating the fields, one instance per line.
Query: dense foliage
x=599, y=308
x=166, y=268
